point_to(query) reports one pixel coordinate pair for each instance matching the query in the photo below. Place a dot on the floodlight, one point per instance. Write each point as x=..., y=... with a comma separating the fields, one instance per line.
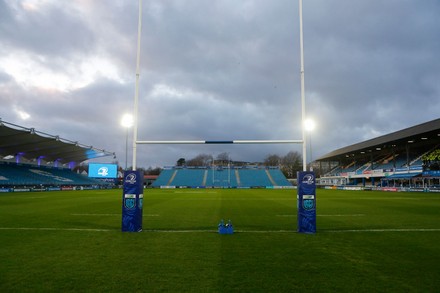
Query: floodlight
x=309, y=125
x=127, y=120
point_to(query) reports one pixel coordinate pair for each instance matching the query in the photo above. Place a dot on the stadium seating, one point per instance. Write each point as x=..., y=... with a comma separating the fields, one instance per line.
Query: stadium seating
x=254, y=177
x=185, y=178
x=221, y=177
x=30, y=175
x=164, y=178
x=279, y=177
x=399, y=162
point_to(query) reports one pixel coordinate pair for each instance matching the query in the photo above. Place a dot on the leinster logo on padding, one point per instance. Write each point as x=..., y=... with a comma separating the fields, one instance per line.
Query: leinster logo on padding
x=130, y=178
x=308, y=179
x=130, y=201
x=308, y=204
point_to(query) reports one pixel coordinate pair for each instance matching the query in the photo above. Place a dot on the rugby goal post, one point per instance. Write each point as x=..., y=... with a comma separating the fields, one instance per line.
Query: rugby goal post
x=136, y=101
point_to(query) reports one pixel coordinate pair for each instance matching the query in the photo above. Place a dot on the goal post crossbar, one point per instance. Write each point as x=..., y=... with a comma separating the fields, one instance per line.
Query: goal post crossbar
x=219, y=141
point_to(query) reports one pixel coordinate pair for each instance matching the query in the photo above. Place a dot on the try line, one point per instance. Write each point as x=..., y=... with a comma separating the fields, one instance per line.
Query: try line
x=215, y=231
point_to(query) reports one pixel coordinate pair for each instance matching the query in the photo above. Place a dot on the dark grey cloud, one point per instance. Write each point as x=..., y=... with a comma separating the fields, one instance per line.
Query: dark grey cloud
x=368, y=64
x=231, y=51
x=49, y=31
x=219, y=70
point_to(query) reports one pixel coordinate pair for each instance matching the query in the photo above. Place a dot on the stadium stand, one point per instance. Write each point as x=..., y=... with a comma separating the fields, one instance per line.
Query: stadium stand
x=254, y=178
x=219, y=177
x=392, y=159
x=29, y=175
x=193, y=178
x=164, y=178
x=33, y=159
x=278, y=177
x=31, y=145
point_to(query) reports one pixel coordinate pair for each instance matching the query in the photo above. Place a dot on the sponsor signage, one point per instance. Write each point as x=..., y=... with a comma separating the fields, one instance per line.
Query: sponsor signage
x=393, y=189
x=433, y=173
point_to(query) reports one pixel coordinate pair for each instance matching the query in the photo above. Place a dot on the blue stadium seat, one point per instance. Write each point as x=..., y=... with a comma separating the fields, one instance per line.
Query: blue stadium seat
x=221, y=177
x=30, y=175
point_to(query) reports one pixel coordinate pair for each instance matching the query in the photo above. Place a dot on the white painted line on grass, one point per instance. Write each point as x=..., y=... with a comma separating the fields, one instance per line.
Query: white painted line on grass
x=265, y=231
x=342, y=215
x=55, y=229
x=215, y=231
x=179, y=231
x=337, y=215
x=196, y=192
x=294, y=231
x=93, y=215
x=383, y=230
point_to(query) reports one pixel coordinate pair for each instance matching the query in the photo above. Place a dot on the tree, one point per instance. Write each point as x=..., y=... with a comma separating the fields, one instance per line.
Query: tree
x=201, y=160
x=222, y=159
x=153, y=171
x=272, y=160
x=291, y=163
x=181, y=162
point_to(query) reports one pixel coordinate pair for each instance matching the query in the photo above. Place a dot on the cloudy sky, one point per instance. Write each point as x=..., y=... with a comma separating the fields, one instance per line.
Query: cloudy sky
x=219, y=70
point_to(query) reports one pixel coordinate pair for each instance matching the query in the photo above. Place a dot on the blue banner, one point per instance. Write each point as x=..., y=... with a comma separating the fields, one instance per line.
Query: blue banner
x=306, y=202
x=132, y=202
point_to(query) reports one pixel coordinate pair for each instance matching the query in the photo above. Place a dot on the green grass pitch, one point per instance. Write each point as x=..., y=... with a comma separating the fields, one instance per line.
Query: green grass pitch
x=366, y=242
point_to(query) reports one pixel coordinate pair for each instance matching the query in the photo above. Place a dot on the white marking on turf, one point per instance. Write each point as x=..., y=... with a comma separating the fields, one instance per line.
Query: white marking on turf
x=342, y=215
x=95, y=214
x=195, y=192
x=215, y=231
x=337, y=215
x=383, y=230
x=179, y=231
x=147, y=215
x=265, y=231
x=55, y=229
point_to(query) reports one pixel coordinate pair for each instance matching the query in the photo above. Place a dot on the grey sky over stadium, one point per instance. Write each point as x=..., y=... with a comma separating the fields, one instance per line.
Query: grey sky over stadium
x=219, y=70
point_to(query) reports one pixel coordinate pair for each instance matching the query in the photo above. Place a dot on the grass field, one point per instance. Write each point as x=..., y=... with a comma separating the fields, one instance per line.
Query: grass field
x=366, y=242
